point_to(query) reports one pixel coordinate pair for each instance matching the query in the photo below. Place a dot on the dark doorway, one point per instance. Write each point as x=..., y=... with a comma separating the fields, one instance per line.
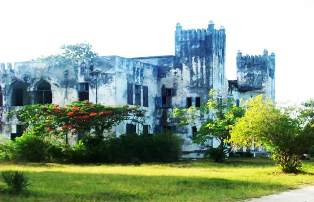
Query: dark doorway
x=188, y=102
x=166, y=97
x=83, y=91
x=194, y=131
x=197, y=102
x=145, y=129
x=130, y=128
x=43, y=94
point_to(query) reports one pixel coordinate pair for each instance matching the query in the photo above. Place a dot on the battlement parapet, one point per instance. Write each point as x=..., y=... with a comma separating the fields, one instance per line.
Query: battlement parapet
x=256, y=61
x=199, y=42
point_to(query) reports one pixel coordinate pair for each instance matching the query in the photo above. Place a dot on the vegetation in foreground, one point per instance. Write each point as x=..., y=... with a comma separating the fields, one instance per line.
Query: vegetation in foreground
x=287, y=133
x=234, y=180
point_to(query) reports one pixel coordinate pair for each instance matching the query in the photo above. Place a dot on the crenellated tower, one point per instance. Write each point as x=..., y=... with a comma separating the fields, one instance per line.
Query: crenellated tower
x=256, y=73
x=203, y=52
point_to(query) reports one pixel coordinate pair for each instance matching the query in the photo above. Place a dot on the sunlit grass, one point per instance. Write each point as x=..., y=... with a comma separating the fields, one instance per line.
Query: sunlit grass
x=185, y=181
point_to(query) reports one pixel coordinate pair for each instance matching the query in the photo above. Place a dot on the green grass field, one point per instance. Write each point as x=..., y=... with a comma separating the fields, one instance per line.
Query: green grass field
x=185, y=181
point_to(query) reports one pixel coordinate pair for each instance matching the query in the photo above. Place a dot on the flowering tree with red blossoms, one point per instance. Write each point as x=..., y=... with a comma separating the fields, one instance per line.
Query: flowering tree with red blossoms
x=81, y=118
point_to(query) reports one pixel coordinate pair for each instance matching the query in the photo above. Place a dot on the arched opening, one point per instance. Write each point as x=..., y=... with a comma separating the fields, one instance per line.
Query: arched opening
x=43, y=94
x=19, y=94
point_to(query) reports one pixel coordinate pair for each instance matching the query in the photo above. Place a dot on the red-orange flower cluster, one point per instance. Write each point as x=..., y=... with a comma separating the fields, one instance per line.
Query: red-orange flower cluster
x=105, y=113
x=70, y=114
x=75, y=108
x=83, y=117
x=66, y=126
x=93, y=114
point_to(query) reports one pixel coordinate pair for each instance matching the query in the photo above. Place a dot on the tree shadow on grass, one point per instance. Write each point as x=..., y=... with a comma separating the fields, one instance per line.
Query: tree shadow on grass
x=60, y=186
x=231, y=162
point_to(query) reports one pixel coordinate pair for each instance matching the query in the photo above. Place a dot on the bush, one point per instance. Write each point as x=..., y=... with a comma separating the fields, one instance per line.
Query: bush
x=216, y=154
x=76, y=153
x=31, y=148
x=288, y=163
x=131, y=148
x=166, y=147
x=311, y=152
x=243, y=154
x=16, y=181
x=6, y=151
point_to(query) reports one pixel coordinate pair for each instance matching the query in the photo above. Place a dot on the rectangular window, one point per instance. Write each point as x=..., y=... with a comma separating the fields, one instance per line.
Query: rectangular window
x=197, y=102
x=145, y=96
x=83, y=91
x=130, y=93
x=237, y=102
x=137, y=94
x=188, y=102
x=84, y=86
x=166, y=97
x=194, y=131
x=130, y=128
x=1, y=99
x=145, y=129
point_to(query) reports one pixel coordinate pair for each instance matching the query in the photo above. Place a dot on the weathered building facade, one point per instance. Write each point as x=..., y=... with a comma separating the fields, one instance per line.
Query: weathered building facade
x=158, y=83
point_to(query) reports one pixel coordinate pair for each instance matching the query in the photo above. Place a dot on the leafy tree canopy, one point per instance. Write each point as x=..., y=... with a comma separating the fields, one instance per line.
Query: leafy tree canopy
x=79, y=117
x=72, y=54
x=286, y=132
x=221, y=114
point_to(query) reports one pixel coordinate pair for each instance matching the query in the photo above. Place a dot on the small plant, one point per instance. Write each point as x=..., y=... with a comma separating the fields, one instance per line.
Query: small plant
x=16, y=181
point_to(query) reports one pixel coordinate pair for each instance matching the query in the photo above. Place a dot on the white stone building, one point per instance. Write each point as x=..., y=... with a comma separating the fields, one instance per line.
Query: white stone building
x=157, y=83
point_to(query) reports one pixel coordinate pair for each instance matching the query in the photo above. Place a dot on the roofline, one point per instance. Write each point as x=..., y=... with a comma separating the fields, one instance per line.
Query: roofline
x=159, y=56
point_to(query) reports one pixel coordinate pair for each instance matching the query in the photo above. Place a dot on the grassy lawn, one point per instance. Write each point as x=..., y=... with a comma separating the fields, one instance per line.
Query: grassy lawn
x=184, y=181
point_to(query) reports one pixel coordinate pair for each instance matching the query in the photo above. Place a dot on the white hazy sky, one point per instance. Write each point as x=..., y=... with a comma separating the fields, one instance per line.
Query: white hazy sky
x=33, y=28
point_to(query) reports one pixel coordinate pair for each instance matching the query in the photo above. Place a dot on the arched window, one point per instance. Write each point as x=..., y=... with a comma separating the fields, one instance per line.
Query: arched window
x=43, y=94
x=19, y=94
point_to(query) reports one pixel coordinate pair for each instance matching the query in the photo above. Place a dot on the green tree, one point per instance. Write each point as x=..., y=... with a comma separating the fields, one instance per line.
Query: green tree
x=72, y=54
x=79, y=53
x=222, y=113
x=286, y=133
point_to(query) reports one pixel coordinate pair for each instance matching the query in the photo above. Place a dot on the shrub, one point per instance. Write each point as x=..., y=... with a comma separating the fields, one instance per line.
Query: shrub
x=16, y=181
x=289, y=163
x=32, y=148
x=56, y=152
x=7, y=151
x=166, y=147
x=216, y=154
x=76, y=153
x=130, y=148
x=246, y=154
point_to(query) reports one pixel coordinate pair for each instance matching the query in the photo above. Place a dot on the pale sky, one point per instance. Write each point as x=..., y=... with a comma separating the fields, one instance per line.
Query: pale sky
x=33, y=28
